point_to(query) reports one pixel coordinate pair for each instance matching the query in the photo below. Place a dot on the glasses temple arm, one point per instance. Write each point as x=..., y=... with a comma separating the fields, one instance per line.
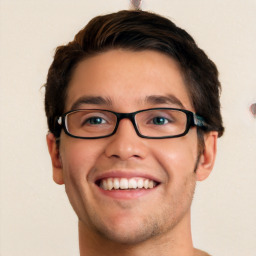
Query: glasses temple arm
x=199, y=121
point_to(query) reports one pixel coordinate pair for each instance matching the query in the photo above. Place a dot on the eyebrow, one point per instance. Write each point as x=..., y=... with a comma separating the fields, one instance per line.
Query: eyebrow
x=159, y=99
x=92, y=100
x=152, y=99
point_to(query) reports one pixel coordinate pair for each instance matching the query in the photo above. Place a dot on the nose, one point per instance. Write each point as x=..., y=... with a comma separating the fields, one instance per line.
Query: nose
x=125, y=143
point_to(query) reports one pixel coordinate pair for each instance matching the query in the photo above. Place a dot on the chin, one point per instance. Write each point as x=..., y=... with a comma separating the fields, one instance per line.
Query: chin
x=130, y=230
x=129, y=236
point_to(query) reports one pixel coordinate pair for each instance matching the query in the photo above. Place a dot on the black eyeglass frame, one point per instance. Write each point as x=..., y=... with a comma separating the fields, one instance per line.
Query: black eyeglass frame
x=192, y=120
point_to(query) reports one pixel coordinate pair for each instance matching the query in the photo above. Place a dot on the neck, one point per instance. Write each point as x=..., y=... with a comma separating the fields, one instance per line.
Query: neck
x=177, y=241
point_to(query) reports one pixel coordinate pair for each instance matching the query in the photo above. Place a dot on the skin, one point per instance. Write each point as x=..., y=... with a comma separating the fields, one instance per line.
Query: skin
x=153, y=223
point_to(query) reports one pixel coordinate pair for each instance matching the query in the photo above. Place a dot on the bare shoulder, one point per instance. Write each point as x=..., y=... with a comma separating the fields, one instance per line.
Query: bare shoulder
x=200, y=253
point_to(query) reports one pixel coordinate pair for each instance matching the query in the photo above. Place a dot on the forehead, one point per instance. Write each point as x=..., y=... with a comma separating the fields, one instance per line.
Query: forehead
x=127, y=80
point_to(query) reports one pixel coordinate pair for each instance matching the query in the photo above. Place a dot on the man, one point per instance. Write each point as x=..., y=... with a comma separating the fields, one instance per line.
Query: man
x=133, y=112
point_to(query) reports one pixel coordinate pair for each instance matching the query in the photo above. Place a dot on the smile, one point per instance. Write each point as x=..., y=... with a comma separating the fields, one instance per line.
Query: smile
x=126, y=184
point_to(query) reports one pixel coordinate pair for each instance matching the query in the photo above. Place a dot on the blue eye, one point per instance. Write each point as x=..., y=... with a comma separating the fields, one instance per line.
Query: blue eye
x=159, y=120
x=96, y=120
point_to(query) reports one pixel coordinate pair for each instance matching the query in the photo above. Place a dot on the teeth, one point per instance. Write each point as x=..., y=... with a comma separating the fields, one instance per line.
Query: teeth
x=140, y=183
x=104, y=185
x=116, y=183
x=150, y=184
x=110, y=184
x=132, y=183
x=146, y=184
x=123, y=183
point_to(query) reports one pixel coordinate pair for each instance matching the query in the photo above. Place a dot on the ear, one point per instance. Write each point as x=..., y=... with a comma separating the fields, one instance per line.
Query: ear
x=55, y=157
x=207, y=159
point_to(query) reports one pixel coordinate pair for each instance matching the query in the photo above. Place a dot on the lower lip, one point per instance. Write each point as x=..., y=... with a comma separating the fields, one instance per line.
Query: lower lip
x=126, y=194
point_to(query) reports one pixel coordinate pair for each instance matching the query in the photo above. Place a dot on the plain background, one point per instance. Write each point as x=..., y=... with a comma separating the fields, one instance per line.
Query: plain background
x=36, y=218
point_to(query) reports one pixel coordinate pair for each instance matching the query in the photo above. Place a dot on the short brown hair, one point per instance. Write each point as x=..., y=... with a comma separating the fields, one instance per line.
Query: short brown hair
x=137, y=31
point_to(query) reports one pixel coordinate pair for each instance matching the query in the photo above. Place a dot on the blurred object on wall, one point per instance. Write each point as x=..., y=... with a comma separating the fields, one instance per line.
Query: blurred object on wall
x=253, y=109
x=136, y=4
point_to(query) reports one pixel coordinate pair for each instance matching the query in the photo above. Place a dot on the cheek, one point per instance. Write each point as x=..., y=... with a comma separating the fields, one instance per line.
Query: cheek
x=79, y=157
x=177, y=156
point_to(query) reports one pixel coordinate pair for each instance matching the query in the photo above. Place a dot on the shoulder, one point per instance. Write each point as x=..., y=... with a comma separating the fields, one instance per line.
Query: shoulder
x=198, y=252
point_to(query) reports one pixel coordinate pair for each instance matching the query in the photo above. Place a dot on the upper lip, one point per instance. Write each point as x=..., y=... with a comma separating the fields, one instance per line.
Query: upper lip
x=125, y=174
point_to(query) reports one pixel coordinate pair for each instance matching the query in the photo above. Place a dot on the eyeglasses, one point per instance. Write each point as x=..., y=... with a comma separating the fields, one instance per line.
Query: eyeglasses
x=154, y=123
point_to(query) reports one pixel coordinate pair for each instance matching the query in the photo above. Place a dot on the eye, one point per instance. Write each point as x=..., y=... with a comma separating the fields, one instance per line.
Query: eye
x=160, y=120
x=95, y=120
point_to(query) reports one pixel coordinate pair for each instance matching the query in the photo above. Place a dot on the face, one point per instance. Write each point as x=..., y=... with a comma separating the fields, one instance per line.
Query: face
x=127, y=81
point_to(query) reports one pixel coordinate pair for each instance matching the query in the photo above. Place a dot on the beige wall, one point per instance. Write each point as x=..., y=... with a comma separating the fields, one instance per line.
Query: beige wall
x=36, y=218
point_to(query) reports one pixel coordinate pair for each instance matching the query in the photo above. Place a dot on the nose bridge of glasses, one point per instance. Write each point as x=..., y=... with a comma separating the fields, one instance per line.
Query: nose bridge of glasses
x=129, y=116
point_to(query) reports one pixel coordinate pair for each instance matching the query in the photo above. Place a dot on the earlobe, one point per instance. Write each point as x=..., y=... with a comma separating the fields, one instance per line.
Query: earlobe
x=207, y=159
x=56, y=160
